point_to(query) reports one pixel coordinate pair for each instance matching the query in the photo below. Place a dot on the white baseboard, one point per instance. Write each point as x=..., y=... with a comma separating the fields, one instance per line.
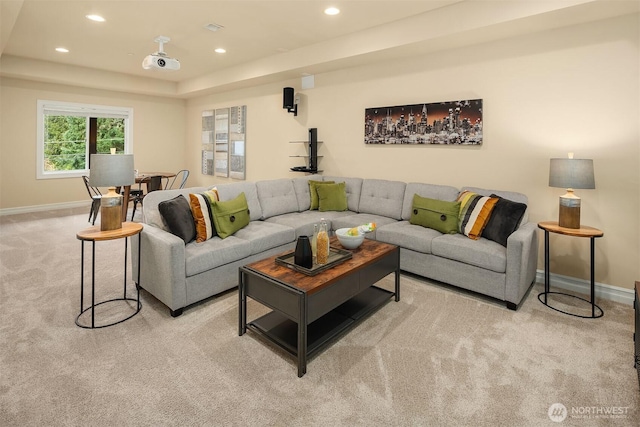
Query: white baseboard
x=581, y=286
x=43, y=208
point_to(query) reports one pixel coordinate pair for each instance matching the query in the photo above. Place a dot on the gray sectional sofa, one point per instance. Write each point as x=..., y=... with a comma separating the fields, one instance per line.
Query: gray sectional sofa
x=180, y=274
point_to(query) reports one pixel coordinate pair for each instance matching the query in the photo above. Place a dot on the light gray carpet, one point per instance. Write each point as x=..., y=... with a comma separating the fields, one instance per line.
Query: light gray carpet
x=437, y=357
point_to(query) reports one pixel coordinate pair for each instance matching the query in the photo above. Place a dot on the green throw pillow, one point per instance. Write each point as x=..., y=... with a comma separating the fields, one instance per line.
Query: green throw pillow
x=437, y=214
x=332, y=197
x=231, y=215
x=313, y=192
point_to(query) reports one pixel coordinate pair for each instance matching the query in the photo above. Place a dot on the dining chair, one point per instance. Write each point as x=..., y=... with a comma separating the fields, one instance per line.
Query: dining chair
x=180, y=177
x=96, y=196
x=154, y=183
x=135, y=194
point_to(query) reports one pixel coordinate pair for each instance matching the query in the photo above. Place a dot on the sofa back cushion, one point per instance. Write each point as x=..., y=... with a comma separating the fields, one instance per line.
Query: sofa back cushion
x=431, y=191
x=233, y=190
x=277, y=197
x=301, y=187
x=382, y=197
x=353, y=187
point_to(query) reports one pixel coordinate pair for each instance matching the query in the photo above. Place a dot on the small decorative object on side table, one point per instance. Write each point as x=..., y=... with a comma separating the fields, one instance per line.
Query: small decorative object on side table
x=94, y=234
x=583, y=231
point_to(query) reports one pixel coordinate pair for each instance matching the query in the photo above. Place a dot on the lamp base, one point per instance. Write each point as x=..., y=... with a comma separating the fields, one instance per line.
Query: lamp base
x=111, y=211
x=569, y=211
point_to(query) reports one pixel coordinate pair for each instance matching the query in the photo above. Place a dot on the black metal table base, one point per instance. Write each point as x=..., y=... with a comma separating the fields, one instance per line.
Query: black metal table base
x=138, y=303
x=93, y=304
x=543, y=298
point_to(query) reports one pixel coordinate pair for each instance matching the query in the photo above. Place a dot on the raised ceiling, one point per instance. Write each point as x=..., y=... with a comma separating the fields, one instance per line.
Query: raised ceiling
x=265, y=40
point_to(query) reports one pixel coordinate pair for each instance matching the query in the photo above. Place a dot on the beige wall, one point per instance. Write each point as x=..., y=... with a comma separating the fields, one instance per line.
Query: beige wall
x=158, y=139
x=570, y=90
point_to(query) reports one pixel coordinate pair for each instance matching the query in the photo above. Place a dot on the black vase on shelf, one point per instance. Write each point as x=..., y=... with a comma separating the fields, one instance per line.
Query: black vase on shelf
x=303, y=256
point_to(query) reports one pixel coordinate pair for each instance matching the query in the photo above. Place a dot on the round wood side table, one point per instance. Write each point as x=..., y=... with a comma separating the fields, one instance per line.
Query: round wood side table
x=584, y=231
x=93, y=235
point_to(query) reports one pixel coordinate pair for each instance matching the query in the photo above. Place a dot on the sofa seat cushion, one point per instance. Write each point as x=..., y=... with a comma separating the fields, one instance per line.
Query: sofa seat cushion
x=301, y=222
x=200, y=257
x=481, y=253
x=355, y=220
x=407, y=235
x=263, y=235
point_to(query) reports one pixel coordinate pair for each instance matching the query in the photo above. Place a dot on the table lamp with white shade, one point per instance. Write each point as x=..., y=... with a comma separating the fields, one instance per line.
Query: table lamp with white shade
x=111, y=170
x=571, y=173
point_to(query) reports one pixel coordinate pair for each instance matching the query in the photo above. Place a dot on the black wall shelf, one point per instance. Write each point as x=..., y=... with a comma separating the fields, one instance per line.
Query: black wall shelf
x=312, y=156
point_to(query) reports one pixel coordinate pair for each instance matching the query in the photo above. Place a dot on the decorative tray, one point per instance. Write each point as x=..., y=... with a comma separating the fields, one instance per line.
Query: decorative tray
x=336, y=256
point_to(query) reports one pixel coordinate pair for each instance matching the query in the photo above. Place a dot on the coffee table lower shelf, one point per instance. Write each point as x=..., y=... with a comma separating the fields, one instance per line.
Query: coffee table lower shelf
x=283, y=332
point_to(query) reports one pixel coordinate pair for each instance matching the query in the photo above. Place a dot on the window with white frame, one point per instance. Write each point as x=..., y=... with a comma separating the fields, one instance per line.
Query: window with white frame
x=69, y=133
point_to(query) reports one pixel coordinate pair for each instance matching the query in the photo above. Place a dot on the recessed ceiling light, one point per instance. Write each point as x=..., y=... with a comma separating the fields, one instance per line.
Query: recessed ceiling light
x=213, y=27
x=62, y=50
x=220, y=50
x=332, y=11
x=96, y=18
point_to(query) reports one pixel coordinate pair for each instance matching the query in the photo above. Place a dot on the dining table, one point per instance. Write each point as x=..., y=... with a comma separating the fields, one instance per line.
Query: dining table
x=141, y=178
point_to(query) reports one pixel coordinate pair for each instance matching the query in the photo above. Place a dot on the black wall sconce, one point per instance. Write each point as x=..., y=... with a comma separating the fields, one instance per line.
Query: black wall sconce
x=289, y=100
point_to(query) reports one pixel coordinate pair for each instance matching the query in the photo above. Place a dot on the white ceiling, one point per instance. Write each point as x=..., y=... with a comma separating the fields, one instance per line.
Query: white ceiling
x=265, y=40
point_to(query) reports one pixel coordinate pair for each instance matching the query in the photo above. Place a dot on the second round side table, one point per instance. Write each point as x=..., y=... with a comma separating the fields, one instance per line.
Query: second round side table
x=93, y=235
x=584, y=231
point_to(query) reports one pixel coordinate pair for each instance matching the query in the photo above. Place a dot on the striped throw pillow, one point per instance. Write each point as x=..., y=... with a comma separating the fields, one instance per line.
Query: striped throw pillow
x=475, y=211
x=203, y=213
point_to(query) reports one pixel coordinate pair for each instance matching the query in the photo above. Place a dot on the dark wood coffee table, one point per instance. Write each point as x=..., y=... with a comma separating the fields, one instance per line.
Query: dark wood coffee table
x=309, y=312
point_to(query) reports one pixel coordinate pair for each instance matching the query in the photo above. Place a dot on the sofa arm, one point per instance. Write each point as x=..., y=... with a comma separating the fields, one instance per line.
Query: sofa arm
x=162, y=266
x=522, y=262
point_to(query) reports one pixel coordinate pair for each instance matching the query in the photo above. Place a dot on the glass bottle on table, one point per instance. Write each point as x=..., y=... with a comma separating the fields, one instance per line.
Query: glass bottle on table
x=322, y=242
x=314, y=244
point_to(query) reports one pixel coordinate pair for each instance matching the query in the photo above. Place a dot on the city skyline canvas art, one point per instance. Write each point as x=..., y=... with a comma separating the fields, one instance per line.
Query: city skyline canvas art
x=440, y=123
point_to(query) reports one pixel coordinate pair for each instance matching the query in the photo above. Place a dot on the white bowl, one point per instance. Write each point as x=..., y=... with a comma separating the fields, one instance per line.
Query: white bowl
x=349, y=242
